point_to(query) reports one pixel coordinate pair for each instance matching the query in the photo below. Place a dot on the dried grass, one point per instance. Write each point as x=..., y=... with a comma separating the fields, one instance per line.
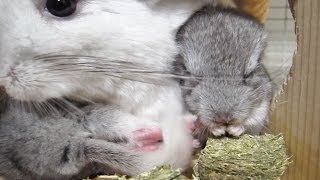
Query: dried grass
x=248, y=157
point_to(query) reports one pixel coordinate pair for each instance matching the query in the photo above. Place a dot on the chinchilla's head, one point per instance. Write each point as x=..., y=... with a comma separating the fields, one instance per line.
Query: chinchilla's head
x=55, y=48
x=221, y=49
x=228, y=101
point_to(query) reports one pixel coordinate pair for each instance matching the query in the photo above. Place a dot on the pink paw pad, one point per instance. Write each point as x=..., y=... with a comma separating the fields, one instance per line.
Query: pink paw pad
x=148, y=139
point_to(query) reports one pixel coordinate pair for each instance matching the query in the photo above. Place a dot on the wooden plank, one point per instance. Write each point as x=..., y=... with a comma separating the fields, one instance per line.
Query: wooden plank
x=299, y=118
x=315, y=131
x=304, y=59
x=310, y=164
x=317, y=105
x=294, y=100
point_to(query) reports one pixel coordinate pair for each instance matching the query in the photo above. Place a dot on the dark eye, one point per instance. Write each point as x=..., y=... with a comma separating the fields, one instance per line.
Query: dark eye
x=246, y=77
x=181, y=82
x=61, y=8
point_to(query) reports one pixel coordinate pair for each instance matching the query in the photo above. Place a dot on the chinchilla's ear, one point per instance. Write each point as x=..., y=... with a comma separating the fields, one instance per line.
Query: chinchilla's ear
x=258, y=52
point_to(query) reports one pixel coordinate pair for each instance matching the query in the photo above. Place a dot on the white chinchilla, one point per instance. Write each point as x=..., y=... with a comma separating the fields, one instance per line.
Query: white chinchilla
x=100, y=50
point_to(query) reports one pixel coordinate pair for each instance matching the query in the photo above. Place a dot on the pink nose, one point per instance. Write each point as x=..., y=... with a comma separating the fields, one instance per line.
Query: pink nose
x=223, y=118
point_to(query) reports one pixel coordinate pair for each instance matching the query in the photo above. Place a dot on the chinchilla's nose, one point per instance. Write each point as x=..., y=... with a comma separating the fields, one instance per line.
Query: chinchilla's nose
x=223, y=118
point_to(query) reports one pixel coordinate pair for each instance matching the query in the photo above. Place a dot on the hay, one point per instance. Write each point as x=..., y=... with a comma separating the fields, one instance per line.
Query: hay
x=249, y=157
x=158, y=173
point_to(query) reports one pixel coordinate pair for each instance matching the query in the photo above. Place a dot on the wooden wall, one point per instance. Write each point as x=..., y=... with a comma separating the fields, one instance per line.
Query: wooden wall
x=297, y=114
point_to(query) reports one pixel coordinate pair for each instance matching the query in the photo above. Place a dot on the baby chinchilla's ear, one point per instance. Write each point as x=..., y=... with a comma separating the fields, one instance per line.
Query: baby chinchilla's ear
x=257, y=54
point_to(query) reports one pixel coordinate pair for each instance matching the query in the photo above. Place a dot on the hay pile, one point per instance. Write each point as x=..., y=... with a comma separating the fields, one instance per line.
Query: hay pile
x=158, y=173
x=248, y=157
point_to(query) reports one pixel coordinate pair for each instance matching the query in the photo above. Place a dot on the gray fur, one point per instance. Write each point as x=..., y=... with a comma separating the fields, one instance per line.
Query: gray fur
x=220, y=52
x=72, y=146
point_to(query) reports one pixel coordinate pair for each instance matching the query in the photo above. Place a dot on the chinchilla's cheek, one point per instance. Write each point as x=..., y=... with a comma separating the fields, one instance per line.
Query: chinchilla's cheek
x=226, y=92
x=57, y=53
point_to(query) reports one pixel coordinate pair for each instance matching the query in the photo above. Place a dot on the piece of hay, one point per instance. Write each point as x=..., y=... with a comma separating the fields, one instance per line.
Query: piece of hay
x=158, y=173
x=162, y=173
x=248, y=157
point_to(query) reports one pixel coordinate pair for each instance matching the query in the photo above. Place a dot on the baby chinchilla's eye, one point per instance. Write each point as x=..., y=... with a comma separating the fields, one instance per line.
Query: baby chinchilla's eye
x=61, y=8
x=247, y=77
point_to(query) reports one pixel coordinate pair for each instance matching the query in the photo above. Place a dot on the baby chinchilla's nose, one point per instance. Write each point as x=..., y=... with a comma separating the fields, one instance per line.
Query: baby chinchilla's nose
x=223, y=118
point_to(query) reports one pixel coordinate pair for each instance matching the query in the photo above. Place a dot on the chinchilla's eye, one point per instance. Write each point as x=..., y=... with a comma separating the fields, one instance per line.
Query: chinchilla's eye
x=247, y=77
x=181, y=82
x=61, y=8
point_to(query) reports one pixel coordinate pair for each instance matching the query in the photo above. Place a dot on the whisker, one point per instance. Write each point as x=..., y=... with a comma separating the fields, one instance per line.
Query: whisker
x=54, y=53
x=67, y=106
x=84, y=99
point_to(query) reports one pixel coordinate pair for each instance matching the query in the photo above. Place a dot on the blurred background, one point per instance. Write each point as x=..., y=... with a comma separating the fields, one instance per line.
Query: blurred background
x=282, y=41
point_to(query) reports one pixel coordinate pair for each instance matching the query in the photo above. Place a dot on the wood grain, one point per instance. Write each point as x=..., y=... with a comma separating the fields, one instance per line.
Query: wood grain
x=299, y=117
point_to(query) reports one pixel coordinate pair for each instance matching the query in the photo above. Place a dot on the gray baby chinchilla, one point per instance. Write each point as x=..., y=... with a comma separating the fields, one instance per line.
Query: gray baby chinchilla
x=66, y=145
x=225, y=84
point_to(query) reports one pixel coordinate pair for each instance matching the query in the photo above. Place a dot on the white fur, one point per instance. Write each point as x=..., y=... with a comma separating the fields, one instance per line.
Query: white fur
x=218, y=131
x=235, y=130
x=128, y=30
x=258, y=118
x=112, y=29
x=252, y=124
